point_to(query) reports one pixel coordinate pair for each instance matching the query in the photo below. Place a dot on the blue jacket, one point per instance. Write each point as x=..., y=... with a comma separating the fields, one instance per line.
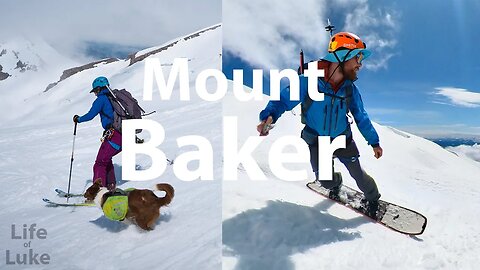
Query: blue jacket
x=101, y=106
x=327, y=117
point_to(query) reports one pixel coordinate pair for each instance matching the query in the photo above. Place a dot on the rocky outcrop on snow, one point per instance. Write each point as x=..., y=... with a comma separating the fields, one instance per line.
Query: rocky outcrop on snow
x=72, y=71
x=16, y=61
x=3, y=75
x=134, y=58
x=24, y=66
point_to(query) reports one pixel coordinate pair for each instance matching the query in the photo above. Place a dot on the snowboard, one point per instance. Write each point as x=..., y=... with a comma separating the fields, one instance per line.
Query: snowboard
x=392, y=216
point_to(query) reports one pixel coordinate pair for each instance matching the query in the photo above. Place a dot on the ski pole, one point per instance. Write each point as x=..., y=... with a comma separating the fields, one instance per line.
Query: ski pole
x=71, y=161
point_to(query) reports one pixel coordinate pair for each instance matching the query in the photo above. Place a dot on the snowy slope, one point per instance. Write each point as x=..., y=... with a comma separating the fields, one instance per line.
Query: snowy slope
x=27, y=67
x=35, y=148
x=20, y=56
x=282, y=225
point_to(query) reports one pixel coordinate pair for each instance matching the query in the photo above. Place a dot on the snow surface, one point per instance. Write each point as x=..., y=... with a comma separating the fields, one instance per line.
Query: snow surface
x=282, y=225
x=35, y=148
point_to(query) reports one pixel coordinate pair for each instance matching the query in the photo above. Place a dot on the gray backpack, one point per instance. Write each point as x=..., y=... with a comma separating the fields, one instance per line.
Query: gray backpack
x=125, y=106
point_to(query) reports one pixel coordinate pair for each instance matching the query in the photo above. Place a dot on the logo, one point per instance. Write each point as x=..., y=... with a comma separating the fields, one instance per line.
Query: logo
x=28, y=234
x=333, y=45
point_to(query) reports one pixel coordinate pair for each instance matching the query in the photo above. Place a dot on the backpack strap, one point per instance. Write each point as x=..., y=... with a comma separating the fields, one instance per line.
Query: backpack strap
x=305, y=106
x=348, y=95
x=307, y=103
x=113, y=98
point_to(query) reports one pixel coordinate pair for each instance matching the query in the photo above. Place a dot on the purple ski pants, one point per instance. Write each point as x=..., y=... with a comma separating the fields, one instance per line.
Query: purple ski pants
x=103, y=168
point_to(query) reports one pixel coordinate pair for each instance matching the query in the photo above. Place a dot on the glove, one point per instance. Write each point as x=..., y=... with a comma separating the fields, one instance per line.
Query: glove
x=75, y=118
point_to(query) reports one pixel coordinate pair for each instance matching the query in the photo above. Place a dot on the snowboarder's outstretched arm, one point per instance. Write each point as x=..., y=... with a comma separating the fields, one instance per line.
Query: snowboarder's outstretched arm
x=275, y=108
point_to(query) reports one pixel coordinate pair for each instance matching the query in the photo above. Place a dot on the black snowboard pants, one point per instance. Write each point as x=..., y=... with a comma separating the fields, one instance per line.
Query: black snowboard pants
x=349, y=156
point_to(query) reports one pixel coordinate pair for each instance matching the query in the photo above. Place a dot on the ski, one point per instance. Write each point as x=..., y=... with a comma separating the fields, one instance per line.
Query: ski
x=392, y=216
x=64, y=194
x=67, y=204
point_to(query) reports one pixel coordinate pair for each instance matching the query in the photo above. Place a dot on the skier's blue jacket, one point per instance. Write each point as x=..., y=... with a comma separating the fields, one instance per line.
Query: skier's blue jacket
x=327, y=117
x=101, y=106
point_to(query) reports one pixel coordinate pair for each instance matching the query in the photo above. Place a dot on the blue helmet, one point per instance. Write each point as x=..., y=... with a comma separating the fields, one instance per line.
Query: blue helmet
x=99, y=83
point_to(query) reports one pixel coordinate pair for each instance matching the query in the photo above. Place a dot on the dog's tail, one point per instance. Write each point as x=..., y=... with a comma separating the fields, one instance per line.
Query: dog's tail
x=170, y=192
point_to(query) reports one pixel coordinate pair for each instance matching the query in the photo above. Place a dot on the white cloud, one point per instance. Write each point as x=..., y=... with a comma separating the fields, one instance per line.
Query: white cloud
x=459, y=96
x=270, y=34
x=471, y=151
x=378, y=29
x=67, y=24
x=376, y=63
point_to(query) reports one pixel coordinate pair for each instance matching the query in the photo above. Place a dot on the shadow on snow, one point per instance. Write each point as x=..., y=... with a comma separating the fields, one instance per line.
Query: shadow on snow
x=266, y=238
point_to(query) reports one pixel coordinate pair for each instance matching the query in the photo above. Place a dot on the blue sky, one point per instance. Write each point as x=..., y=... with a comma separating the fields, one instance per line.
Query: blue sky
x=422, y=76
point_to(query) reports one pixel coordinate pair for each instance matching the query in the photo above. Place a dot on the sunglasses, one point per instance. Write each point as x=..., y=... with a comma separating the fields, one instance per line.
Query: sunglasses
x=97, y=89
x=359, y=58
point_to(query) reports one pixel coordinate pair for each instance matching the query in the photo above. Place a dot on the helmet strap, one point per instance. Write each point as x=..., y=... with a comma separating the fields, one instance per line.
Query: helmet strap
x=331, y=75
x=341, y=63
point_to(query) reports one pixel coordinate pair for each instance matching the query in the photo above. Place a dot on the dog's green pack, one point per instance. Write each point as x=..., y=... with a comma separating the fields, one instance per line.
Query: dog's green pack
x=116, y=207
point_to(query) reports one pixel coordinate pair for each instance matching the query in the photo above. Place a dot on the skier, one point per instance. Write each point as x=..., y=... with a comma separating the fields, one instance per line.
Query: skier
x=346, y=52
x=103, y=171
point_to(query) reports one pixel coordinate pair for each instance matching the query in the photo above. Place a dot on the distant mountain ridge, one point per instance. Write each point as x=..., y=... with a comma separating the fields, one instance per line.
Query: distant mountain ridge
x=445, y=142
x=132, y=58
x=57, y=81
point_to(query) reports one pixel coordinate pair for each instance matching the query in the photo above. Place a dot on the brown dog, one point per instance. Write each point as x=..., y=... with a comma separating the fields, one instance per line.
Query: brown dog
x=141, y=206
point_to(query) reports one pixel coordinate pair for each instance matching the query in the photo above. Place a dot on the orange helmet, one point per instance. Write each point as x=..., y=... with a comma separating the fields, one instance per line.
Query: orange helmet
x=344, y=46
x=345, y=40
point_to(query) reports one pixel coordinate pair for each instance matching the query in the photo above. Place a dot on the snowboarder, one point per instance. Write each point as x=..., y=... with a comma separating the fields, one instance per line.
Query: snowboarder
x=103, y=171
x=346, y=52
